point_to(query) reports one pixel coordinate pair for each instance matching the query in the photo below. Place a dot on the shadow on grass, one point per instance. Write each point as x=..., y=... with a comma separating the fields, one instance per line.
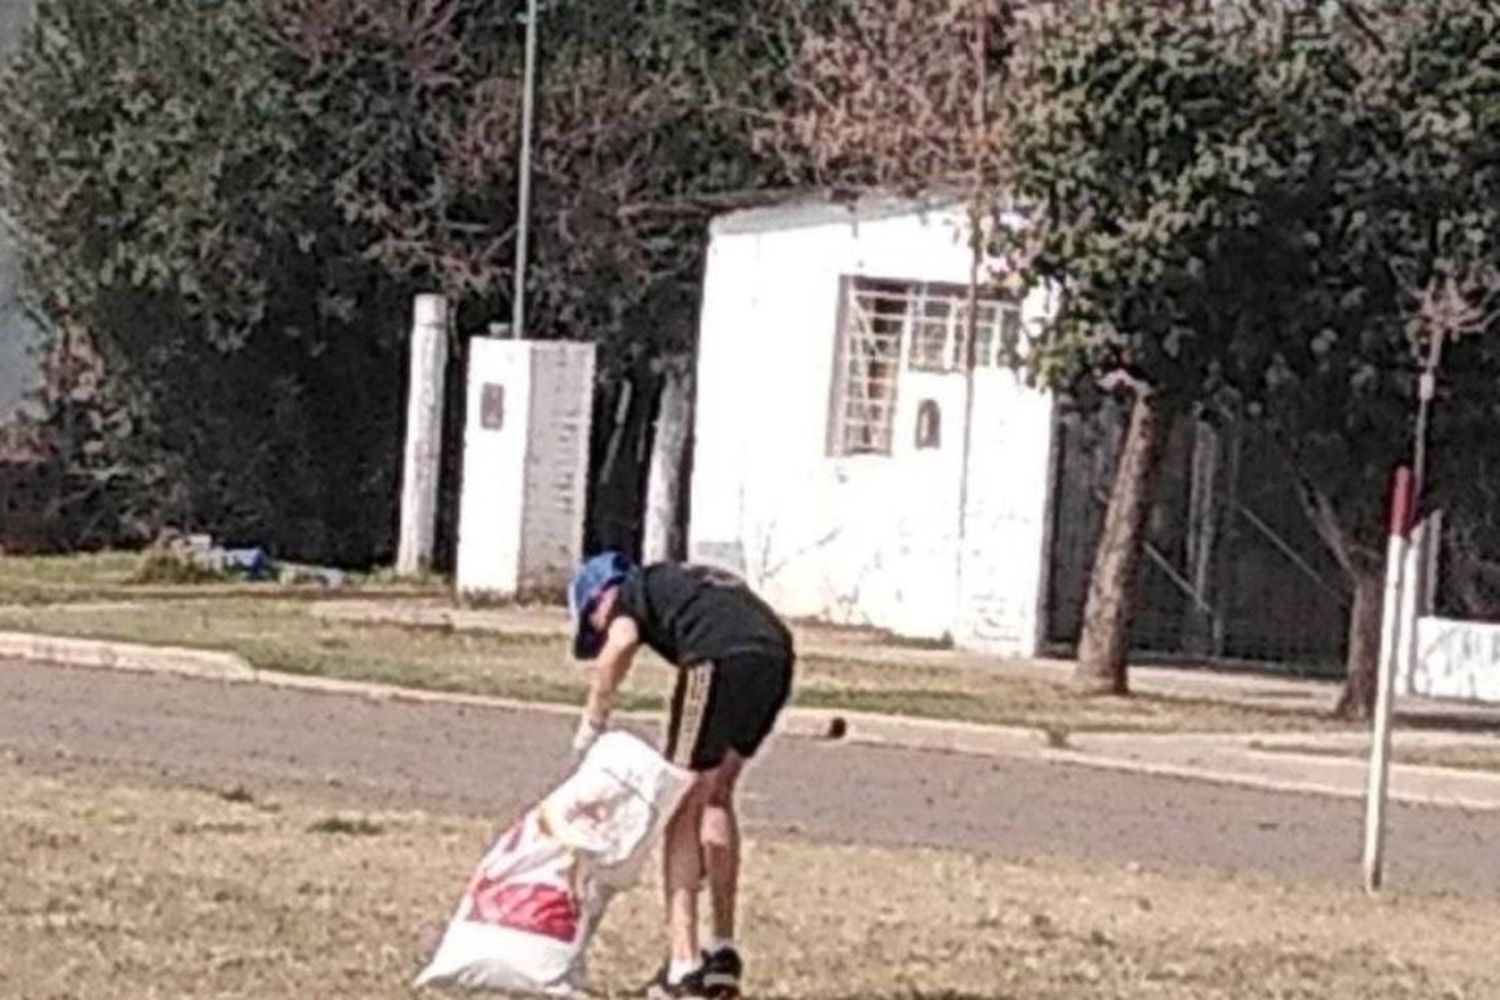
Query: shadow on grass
x=1478, y=719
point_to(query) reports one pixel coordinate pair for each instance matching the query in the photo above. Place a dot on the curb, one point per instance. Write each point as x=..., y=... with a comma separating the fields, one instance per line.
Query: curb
x=104, y=655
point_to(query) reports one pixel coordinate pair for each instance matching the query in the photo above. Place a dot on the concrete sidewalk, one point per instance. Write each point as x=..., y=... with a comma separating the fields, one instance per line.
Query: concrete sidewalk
x=1333, y=764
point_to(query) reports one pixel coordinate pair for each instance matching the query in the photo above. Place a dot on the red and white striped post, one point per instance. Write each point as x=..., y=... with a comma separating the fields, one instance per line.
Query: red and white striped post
x=1392, y=625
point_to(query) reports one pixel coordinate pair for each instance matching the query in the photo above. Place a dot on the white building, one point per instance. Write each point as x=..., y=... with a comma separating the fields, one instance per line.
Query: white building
x=830, y=446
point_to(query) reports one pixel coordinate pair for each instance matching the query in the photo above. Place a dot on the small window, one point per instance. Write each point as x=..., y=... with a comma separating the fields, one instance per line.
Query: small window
x=929, y=425
x=492, y=406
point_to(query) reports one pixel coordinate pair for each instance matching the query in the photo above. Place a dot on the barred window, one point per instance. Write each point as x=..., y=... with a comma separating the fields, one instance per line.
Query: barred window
x=875, y=321
x=890, y=326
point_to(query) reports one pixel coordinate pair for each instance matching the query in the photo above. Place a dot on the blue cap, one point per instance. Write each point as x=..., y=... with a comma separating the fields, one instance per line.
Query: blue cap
x=592, y=577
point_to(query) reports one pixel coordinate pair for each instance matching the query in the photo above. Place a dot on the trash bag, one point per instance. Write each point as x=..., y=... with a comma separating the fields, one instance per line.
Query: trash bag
x=525, y=921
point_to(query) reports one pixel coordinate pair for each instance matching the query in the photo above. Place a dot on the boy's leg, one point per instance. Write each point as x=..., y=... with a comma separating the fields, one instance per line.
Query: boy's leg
x=696, y=739
x=682, y=872
x=758, y=687
x=721, y=845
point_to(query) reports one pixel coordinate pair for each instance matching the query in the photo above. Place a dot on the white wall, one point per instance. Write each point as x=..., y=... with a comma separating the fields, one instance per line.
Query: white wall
x=557, y=463
x=525, y=482
x=1007, y=543
x=494, y=488
x=869, y=540
x=1455, y=659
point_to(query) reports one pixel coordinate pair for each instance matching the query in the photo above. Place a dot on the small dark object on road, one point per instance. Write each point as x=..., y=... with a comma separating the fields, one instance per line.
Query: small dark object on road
x=837, y=728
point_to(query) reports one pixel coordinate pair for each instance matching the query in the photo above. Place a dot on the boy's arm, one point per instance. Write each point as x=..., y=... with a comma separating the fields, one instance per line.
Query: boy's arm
x=611, y=668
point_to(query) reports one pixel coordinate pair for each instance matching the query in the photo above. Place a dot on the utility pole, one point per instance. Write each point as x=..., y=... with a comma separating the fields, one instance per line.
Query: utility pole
x=523, y=211
x=976, y=257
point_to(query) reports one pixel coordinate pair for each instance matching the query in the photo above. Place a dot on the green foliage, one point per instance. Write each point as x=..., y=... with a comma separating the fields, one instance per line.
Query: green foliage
x=1274, y=217
x=1384, y=197
x=232, y=201
x=176, y=197
x=1131, y=139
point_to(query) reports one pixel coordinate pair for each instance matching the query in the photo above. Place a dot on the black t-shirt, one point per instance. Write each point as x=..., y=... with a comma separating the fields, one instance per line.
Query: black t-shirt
x=693, y=614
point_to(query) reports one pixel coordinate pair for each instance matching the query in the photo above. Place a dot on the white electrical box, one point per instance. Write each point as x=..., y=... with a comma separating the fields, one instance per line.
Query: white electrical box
x=526, y=460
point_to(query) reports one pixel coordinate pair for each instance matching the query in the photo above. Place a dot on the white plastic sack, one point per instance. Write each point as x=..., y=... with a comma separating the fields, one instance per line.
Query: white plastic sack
x=525, y=922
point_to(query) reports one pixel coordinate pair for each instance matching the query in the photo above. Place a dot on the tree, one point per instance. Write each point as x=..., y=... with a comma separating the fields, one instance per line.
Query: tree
x=178, y=217
x=892, y=95
x=1383, y=164
x=233, y=201
x=1283, y=246
x=1262, y=210
x=1127, y=151
x=1110, y=124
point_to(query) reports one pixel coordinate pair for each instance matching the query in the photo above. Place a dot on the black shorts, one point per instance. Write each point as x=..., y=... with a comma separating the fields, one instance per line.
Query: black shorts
x=729, y=704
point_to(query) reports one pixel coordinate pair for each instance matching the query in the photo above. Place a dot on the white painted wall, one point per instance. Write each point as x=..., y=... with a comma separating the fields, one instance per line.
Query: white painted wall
x=1455, y=659
x=866, y=540
x=1003, y=589
x=526, y=481
x=557, y=463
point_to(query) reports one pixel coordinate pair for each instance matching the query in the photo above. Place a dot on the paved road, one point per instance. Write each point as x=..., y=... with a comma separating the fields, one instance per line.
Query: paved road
x=343, y=750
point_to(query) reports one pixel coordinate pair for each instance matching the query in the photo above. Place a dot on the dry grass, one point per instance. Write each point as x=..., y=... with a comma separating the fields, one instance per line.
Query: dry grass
x=126, y=576
x=978, y=693
x=133, y=893
x=281, y=634
x=278, y=633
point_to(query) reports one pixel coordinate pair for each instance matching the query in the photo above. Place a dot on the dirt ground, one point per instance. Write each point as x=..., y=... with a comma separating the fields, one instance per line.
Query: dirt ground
x=135, y=892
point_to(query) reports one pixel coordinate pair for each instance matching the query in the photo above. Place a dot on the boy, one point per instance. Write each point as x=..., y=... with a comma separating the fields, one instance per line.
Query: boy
x=734, y=660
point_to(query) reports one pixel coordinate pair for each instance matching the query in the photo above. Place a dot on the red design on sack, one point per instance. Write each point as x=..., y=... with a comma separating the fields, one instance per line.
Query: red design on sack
x=536, y=909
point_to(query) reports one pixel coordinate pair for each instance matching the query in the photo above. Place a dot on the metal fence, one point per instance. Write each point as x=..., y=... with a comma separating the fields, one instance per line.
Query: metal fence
x=1233, y=569
x=1467, y=580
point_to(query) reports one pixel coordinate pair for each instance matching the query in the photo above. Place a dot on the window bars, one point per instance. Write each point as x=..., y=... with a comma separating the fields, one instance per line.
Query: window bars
x=891, y=326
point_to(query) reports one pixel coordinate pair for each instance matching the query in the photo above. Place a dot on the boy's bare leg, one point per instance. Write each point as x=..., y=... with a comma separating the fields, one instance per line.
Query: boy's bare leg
x=682, y=871
x=721, y=845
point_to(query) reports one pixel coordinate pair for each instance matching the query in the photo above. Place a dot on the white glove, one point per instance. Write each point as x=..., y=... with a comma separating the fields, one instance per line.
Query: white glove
x=588, y=732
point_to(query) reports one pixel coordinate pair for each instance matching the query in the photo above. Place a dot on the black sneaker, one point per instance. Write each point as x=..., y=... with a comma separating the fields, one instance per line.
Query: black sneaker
x=690, y=987
x=721, y=973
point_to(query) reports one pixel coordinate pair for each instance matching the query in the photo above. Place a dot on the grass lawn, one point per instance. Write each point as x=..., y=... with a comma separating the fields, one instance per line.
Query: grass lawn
x=151, y=893
x=276, y=632
x=108, y=576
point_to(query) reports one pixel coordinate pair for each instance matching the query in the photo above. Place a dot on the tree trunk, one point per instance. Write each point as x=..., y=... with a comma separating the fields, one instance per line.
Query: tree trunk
x=1364, y=569
x=674, y=417
x=1362, y=662
x=1105, y=642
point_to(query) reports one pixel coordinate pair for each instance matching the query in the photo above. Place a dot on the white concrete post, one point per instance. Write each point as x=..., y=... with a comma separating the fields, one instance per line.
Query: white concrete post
x=674, y=416
x=424, y=435
x=1416, y=596
x=1392, y=639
